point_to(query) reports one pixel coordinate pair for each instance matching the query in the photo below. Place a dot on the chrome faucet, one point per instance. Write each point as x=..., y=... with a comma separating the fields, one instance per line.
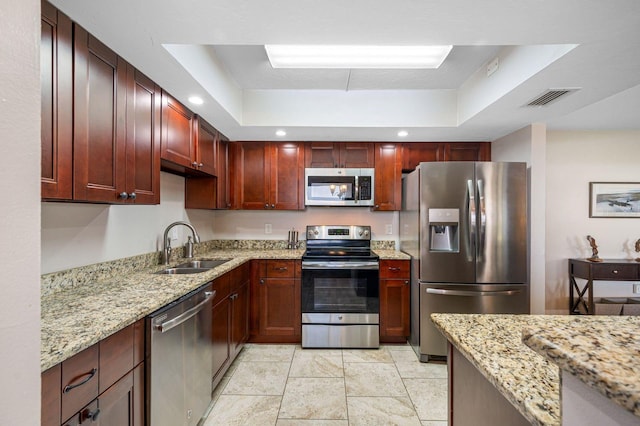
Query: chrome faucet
x=166, y=249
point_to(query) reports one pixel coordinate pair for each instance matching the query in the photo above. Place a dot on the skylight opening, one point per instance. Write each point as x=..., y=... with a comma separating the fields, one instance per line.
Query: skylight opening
x=354, y=57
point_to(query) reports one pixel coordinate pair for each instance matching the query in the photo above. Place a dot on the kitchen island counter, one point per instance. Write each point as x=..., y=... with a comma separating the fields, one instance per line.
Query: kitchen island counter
x=492, y=343
x=600, y=351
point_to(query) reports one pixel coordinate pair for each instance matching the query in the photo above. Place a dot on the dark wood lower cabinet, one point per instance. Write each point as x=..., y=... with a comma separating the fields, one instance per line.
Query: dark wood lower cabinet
x=221, y=338
x=102, y=385
x=395, y=278
x=276, y=301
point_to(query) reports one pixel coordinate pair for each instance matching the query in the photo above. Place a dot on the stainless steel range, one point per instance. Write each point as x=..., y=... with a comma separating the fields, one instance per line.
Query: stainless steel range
x=340, y=288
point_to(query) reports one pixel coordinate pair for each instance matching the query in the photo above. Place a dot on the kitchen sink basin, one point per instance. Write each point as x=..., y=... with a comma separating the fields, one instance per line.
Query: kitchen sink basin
x=202, y=263
x=173, y=271
x=193, y=266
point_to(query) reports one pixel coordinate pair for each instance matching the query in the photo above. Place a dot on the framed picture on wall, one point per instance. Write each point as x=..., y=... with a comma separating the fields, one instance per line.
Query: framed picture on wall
x=614, y=199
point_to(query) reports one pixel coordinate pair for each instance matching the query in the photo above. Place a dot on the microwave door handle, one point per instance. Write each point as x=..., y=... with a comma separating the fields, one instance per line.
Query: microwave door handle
x=356, y=196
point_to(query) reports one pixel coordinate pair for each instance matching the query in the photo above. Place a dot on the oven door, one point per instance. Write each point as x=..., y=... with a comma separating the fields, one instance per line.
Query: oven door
x=340, y=287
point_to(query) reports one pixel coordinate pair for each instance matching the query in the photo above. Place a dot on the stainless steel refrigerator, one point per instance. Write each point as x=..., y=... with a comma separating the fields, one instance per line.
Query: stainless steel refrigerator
x=465, y=226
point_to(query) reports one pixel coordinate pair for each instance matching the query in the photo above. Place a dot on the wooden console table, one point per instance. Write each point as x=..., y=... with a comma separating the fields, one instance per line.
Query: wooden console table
x=581, y=299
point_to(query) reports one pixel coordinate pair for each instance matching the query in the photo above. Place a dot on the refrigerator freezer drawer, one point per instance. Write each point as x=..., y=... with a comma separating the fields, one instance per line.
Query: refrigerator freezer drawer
x=464, y=299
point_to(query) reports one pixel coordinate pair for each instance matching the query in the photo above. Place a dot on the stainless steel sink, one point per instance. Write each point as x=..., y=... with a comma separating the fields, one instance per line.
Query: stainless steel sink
x=172, y=271
x=193, y=266
x=203, y=263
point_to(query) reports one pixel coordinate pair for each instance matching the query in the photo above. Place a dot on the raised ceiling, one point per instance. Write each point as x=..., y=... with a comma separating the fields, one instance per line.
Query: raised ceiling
x=214, y=49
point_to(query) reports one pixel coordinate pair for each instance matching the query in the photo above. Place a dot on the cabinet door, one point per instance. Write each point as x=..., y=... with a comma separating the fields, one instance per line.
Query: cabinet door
x=207, y=148
x=322, y=154
x=240, y=317
x=252, y=166
x=178, y=134
x=50, y=396
x=223, y=194
x=418, y=152
x=220, y=335
x=286, y=180
x=388, y=177
x=394, y=309
x=56, y=83
x=143, y=138
x=356, y=154
x=467, y=151
x=118, y=404
x=278, y=299
x=99, y=120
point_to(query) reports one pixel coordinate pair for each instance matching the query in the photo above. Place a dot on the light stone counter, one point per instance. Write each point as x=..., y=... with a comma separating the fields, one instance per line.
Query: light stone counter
x=600, y=351
x=77, y=316
x=391, y=254
x=82, y=306
x=493, y=344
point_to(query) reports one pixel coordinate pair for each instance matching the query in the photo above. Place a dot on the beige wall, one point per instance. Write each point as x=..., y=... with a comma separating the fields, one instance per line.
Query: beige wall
x=573, y=160
x=528, y=145
x=20, y=224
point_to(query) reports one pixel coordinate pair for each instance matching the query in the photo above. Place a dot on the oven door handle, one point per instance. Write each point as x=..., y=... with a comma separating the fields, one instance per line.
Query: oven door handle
x=341, y=265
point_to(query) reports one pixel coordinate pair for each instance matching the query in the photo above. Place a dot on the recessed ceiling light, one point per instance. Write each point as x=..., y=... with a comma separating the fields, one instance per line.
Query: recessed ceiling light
x=281, y=133
x=403, y=134
x=196, y=100
x=327, y=56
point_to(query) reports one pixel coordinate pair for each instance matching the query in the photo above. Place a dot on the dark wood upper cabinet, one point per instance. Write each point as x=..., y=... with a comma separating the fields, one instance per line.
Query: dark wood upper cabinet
x=178, y=144
x=56, y=82
x=388, y=177
x=143, y=138
x=99, y=120
x=268, y=175
x=418, y=152
x=207, y=147
x=339, y=154
x=467, y=151
x=211, y=192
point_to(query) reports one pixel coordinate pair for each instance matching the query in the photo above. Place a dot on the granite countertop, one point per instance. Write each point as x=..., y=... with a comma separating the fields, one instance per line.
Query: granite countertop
x=76, y=317
x=99, y=300
x=493, y=344
x=601, y=351
x=391, y=254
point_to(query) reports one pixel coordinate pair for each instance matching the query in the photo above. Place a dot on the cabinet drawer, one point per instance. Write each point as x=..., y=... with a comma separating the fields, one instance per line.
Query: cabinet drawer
x=395, y=269
x=280, y=269
x=616, y=272
x=79, y=381
x=221, y=286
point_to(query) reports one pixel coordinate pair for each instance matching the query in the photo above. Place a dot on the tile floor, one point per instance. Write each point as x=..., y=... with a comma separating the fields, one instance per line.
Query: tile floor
x=286, y=385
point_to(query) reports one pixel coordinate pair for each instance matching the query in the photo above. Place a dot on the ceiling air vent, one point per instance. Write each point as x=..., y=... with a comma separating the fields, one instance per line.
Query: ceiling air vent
x=549, y=96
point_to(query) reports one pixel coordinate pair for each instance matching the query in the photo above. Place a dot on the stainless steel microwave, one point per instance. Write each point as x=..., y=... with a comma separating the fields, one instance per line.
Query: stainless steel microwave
x=338, y=187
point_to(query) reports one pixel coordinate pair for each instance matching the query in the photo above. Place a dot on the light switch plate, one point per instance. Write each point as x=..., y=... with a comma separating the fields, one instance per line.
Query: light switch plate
x=636, y=289
x=388, y=229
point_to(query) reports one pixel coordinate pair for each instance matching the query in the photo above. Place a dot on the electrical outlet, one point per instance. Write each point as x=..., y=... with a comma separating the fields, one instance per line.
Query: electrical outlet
x=174, y=234
x=636, y=289
x=267, y=228
x=388, y=229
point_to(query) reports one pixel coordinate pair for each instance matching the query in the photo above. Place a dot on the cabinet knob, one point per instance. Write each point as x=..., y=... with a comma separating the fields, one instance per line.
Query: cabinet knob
x=273, y=206
x=200, y=165
x=266, y=205
x=615, y=271
x=90, y=415
x=132, y=195
x=194, y=164
x=123, y=195
x=406, y=282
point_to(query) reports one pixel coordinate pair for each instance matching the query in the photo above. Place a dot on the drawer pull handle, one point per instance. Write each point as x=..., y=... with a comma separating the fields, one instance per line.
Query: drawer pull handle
x=89, y=377
x=393, y=268
x=281, y=268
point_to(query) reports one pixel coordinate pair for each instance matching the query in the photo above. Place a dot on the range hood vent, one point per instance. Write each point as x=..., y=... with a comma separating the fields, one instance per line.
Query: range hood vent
x=549, y=96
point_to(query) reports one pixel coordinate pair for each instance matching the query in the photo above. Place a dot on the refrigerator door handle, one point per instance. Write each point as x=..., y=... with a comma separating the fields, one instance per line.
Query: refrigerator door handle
x=483, y=220
x=443, y=292
x=471, y=209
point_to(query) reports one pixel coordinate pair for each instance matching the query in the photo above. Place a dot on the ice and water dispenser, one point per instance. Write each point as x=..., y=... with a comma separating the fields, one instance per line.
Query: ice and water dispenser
x=444, y=225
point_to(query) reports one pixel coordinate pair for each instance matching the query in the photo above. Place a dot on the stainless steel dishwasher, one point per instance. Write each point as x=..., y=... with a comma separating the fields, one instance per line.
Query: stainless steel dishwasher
x=178, y=360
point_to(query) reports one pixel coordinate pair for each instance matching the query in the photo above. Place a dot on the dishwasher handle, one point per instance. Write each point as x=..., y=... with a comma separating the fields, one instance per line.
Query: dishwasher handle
x=443, y=292
x=186, y=315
